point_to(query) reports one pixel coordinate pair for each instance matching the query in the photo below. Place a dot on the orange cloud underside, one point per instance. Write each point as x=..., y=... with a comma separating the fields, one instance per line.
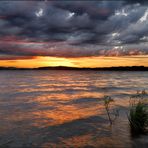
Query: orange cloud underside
x=78, y=62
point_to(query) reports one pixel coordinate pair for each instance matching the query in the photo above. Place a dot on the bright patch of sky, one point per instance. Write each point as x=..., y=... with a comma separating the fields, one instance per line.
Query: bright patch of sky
x=144, y=17
x=70, y=15
x=122, y=12
x=39, y=13
x=115, y=34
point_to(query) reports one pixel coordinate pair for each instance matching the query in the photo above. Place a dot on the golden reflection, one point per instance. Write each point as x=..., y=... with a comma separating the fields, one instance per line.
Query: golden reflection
x=65, y=109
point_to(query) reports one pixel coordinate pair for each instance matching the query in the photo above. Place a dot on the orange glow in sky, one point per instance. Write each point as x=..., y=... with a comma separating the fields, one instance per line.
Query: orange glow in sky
x=77, y=62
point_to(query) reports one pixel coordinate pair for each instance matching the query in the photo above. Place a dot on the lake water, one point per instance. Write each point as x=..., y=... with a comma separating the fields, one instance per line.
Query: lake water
x=50, y=108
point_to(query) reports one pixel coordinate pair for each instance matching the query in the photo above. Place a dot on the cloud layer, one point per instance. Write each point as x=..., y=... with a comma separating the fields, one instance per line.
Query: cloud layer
x=73, y=28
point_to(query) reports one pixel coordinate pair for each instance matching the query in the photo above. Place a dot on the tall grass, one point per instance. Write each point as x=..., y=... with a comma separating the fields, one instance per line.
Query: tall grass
x=138, y=113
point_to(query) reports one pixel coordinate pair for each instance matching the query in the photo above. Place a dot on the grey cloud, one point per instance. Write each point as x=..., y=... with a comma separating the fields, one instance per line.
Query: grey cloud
x=73, y=25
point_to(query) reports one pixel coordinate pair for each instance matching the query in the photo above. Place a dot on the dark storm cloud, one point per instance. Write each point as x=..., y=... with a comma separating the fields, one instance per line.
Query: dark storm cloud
x=137, y=1
x=95, y=9
x=62, y=49
x=73, y=28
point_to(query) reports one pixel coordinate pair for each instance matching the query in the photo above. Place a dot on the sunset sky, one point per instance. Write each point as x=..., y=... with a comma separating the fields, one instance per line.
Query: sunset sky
x=74, y=33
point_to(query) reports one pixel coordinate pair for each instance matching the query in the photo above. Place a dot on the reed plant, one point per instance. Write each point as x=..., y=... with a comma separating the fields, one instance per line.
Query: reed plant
x=110, y=113
x=138, y=113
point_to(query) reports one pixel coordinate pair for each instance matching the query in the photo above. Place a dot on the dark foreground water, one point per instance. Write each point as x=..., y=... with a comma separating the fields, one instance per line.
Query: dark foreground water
x=65, y=109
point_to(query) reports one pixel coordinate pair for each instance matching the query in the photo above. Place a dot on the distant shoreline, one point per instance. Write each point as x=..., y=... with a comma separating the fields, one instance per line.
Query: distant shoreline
x=128, y=68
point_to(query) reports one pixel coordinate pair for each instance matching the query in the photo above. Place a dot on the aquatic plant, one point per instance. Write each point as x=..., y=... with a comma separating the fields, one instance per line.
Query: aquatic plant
x=138, y=113
x=107, y=102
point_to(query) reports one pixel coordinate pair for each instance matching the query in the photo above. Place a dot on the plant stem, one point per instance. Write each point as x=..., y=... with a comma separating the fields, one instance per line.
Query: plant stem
x=108, y=115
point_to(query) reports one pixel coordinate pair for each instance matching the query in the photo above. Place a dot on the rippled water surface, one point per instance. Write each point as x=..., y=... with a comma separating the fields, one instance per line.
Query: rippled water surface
x=65, y=108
